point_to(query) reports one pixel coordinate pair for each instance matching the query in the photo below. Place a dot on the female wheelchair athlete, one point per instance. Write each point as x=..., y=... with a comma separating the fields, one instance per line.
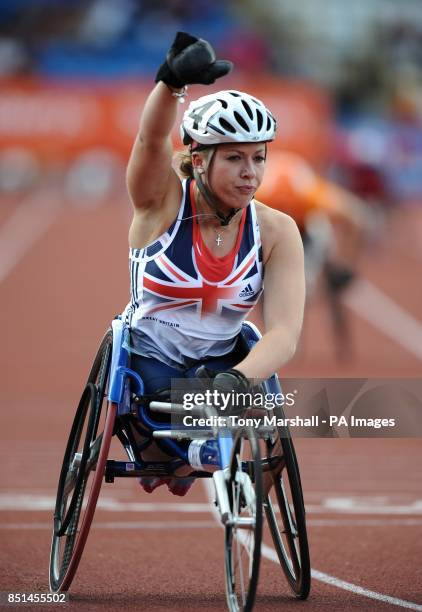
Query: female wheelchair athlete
x=253, y=472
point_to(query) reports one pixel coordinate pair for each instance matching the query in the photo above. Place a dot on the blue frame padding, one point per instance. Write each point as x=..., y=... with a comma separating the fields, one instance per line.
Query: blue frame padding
x=119, y=363
x=154, y=425
x=120, y=372
x=225, y=445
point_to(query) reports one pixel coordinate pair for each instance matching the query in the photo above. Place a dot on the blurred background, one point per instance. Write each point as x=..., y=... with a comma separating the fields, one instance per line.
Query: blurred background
x=343, y=79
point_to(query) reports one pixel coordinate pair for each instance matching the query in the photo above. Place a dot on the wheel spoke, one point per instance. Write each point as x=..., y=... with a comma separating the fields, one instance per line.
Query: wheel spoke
x=240, y=568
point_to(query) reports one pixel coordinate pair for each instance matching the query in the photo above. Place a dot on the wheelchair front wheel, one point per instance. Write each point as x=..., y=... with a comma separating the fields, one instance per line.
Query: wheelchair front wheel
x=244, y=532
x=82, y=471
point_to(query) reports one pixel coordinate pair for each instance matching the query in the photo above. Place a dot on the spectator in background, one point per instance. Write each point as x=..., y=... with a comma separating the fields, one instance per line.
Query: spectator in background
x=250, y=51
x=333, y=223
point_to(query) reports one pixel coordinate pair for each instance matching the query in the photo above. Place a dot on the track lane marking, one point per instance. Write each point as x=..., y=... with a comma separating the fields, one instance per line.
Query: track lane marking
x=383, y=313
x=28, y=223
x=123, y=524
x=267, y=552
x=118, y=525
x=271, y=555
x=356, y=505
x=33, y=502
x=357, y=590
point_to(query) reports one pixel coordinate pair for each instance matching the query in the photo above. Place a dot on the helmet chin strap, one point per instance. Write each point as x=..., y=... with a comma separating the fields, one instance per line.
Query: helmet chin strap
x=210, y=198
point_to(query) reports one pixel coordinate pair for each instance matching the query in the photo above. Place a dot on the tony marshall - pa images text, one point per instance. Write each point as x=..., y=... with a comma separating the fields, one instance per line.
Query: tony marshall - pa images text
x=297, y=421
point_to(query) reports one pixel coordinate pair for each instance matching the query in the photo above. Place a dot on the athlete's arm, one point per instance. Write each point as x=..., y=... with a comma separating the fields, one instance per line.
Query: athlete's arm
x=284, y=299
x=150, y=175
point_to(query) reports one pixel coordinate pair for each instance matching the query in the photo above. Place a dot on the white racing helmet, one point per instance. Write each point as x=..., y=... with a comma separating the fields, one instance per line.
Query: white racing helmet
x=227, y=116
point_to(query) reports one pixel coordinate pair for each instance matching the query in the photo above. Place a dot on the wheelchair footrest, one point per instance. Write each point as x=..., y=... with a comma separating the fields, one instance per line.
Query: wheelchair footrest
x=128, y=469
x=132, y=469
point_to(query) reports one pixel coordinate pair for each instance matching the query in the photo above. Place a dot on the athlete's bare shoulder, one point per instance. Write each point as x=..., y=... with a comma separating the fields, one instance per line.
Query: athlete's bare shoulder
x=275, y=226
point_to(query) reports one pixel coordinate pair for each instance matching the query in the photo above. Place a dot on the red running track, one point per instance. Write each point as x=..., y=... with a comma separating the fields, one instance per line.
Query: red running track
x=154, y=552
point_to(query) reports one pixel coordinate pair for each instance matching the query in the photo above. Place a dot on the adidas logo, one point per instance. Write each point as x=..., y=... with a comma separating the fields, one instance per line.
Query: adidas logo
x=247, y=291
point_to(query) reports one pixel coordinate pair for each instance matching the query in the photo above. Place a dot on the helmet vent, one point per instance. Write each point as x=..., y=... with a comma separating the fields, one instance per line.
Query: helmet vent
x=223, y=103
x=247, y=109
x=268, y=123
x=241, y=121
x=260, y=119
x=234, y=94
x=215, y=128
x=227, y=126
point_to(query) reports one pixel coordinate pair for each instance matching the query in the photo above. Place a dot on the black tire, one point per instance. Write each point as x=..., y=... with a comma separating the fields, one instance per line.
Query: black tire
x=81, y=458
x=287, y=527
x=243, y=544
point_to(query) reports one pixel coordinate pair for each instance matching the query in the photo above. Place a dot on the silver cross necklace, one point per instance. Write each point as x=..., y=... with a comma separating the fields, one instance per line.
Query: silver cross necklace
x=218, y=238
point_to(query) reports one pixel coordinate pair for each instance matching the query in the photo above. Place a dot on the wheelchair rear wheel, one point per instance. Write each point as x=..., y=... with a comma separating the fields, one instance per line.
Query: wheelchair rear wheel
x=244, y=533
x=82, y=471
x=285, y=512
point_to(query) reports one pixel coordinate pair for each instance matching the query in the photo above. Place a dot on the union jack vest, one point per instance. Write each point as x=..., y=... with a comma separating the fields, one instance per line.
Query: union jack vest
x=186, y=304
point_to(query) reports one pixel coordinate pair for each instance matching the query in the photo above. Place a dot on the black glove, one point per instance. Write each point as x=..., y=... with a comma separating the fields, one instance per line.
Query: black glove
x=231, y=380
x=233, y=383
x=230, y=383
x=191, y=60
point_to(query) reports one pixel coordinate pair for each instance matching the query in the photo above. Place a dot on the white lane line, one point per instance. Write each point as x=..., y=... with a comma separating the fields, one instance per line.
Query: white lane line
x=33, y=502
x=381, y=311
x=113, y=505
x=404, y=522
x=270, y=554
x=208, y=524
x=28, y=223
x=118, y=525
x=357, y=505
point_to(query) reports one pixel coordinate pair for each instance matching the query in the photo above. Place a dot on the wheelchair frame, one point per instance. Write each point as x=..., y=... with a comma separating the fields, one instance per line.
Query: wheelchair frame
x=239, y=483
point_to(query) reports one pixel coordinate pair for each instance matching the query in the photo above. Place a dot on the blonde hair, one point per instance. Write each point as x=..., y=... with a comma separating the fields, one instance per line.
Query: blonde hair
x=183, y=164
x=183, y=161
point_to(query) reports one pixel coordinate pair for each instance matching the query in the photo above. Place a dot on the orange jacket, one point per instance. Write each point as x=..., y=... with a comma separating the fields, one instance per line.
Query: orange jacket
x=292, y=186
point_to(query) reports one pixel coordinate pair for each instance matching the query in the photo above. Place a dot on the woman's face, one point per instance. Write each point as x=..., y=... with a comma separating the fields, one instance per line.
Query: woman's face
x=236, y=172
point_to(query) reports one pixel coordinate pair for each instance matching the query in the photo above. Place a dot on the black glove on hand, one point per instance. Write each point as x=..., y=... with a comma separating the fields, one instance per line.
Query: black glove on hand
x=191, y=60
x=234, y=383
x=231, y=380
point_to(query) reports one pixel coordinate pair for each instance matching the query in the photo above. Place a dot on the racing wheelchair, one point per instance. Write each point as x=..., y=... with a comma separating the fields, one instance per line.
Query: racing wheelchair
x=255, y=473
